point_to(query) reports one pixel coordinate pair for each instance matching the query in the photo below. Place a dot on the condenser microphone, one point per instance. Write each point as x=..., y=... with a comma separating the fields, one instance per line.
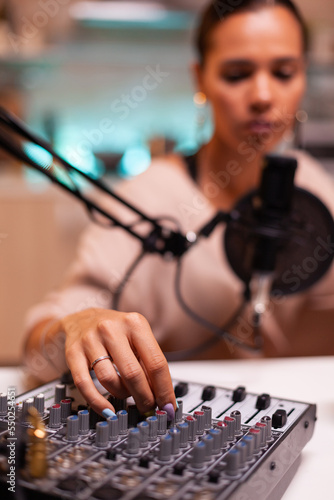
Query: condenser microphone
x=273, y=232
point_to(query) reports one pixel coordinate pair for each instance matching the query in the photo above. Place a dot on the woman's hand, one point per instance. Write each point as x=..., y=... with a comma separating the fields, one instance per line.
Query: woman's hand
x=128, y=339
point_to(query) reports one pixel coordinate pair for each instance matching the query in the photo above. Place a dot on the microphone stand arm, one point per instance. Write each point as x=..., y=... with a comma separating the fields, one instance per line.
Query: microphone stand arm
x=160, y=239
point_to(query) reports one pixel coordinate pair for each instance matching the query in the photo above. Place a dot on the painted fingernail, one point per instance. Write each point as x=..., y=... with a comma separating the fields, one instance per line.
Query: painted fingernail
x=107, y=412
x=169, y=409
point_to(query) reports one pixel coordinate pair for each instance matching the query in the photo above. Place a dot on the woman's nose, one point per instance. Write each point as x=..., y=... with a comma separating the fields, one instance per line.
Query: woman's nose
x=261, y=94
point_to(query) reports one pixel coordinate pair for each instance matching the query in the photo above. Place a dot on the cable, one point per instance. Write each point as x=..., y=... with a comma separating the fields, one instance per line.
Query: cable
x=120, y=288
x=220, y=332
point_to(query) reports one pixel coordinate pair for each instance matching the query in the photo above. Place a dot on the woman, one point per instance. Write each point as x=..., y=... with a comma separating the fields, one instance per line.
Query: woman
x=251, y=69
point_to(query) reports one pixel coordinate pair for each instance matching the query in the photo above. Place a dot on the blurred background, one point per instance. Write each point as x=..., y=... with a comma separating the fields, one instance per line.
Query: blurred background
x=108, y=83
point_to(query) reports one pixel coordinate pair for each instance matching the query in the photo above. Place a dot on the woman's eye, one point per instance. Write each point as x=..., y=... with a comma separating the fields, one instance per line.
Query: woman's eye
x=284, y=75
x=235, y=77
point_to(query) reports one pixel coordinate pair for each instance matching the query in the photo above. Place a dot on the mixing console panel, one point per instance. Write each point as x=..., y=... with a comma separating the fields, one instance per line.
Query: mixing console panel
x=223, y=444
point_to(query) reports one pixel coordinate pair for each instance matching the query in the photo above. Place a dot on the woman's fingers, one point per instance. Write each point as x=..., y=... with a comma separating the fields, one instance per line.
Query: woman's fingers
x=156, y=368
x=151, y=385
x=104, y=368
x=77, y=363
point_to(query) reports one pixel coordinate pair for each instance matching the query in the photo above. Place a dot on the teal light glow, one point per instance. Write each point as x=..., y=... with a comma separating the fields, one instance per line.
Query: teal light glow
x=134, y=161
x=39, y=155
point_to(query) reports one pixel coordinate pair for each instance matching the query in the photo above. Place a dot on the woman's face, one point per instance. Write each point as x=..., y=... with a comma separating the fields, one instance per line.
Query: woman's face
x=254, y=77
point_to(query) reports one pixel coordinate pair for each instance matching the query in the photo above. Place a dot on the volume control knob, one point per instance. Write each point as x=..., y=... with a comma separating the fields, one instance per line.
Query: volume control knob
x=133, y=443
x=3, y=404
x=144, y=433
x=233, y=462
x=60, y=393
x=162, y=421
x=199, y=451
x=165, y=449
x=55, y=417
x=239, y=394
x=279, y=419
x=122, y=422
x=66, y=405
x=262, y=402
x=39, y=402
x=72, y=431
x=102, y=434
x=181, y=389
x=83, y=422
x=27, y=404
x=209, y=393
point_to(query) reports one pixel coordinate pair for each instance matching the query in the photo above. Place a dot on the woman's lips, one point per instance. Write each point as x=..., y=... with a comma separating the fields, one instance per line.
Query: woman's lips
x=260, y=127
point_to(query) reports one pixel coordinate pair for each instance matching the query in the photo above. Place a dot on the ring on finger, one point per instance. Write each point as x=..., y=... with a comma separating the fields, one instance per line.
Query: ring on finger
x=97, y=360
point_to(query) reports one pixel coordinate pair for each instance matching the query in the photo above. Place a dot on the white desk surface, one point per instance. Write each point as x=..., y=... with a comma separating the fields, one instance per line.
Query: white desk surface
x=308, y=380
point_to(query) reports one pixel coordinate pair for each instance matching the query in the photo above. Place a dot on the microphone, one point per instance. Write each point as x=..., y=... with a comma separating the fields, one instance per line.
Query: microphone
x=273, y=231
x=271, y=209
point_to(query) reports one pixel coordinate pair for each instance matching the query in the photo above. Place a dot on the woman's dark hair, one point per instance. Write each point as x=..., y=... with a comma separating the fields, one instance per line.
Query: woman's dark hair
x=217, y=11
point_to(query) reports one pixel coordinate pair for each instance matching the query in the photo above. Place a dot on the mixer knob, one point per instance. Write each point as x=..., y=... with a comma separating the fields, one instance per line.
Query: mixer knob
x=263, y=402
x=263, y=433
x=83, y=422
x=176, y=438
x=165, y=449
x=27, y=404
x=133, y=442
x=113, y=427
x=237, y=416
x=184, y=434
x=3, y=404
x=199, y=415
x=233, y=462
x=257, y=439
x=162, y=421
x=209, y=393
x=72, y=430
x=224, y=430
x=208, y=440
x=239, y=394
x=179, y=411
x=181, y=389
x=207, y=417
x=102, y=434
x=60, y=393
x=217, y=440
x=39, y=402
x=267, y=420
x=66, y=408
x=122, y=422
x=242, y=447
x=198, y=457
x=230, y=422
x=249, y=440
x=144, y=434
x=55, y=416
x=279, y=418
x=152, y=428
x=192, y=423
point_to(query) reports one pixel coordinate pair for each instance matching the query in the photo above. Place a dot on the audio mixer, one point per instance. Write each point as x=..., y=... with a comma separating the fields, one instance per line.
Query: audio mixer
x=222, y=444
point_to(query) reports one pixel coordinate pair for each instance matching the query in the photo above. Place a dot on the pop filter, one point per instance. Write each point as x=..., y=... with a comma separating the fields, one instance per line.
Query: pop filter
x=281, y=230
